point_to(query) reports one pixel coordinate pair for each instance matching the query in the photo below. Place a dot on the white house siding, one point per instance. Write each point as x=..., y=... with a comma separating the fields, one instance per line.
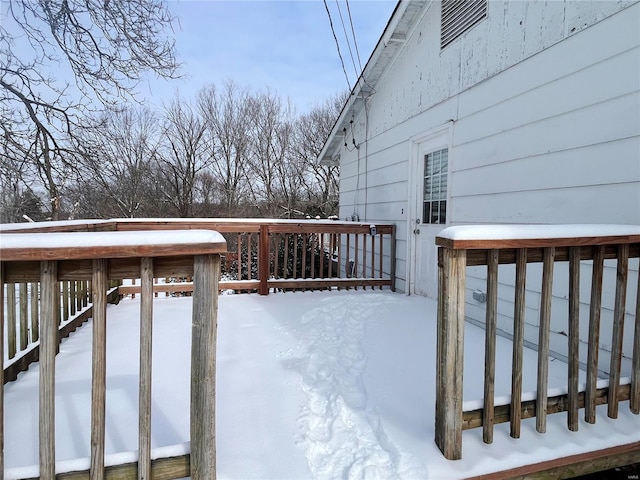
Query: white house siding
x=544, y=102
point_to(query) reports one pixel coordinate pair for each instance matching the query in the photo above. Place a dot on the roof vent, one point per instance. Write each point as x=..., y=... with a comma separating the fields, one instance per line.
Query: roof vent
x=458, y=16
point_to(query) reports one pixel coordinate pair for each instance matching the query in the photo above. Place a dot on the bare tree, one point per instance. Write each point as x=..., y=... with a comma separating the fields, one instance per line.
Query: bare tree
x=227, y=116
x=107, y=45
x=320, y=182
x=119, y=163
x=270, y=135
x=182, y=157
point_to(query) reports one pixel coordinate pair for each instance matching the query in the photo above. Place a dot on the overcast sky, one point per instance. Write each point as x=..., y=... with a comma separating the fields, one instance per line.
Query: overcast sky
x=287, y=46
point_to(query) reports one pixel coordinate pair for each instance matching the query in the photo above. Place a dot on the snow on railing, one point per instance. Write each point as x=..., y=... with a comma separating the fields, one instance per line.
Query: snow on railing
x=266, y=255
x=491, y=246
x=51, y=258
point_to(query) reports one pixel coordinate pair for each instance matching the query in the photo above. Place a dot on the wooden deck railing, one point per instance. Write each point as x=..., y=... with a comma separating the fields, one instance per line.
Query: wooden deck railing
x=22, y=319
x=266, y=255
x=460, y=247
x=53, y=258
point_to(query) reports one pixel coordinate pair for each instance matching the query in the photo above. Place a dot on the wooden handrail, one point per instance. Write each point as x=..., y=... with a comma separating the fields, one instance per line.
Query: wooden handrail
x=278, y=254
x=494, y=245
x=54, y=257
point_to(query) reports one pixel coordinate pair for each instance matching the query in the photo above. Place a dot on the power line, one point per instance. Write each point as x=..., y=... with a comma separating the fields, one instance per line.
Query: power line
x=346, y=37
x=355, y=42
x=353, y=32
x=337, y=45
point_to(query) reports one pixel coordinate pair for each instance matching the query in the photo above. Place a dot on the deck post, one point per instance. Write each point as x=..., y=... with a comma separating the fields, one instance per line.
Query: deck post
x=48, y=348
x=99, y=369
x=2, y=369
x=634, y=401
x=450, y=349
x=203, y=366
x=146, y=341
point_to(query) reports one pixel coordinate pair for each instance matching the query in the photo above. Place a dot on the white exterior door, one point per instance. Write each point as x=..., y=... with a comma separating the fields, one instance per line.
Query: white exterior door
x=430, y=211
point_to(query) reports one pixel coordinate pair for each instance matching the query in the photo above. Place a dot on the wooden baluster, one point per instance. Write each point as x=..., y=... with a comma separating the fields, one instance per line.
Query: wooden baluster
x=72, y=299
x=450, y=351
x=574, y=338
x=24, y=316
x=490, y=346
x=594, y=335
x=373, y=257
x=348, y=269
x=355, y=259
x=330, y=256
x=321, y=241
x=381, y=257
x=305, y=238
x=59, y=316
x=285, y=266
x=313, y=255
x=264, y=259
x=339, y=240
x=618, y=329
x=543, y=339
x=35, y=313
x=65, y=300
x=249, y=255
x=364, y=257
x=276, y=261
x=203, y=366
x=79, y=294
x=518, y=343
x=239, y=245
x=48, y=348
x=296, y=237
x=146, y=332
x=98, y=378
x=11, y=319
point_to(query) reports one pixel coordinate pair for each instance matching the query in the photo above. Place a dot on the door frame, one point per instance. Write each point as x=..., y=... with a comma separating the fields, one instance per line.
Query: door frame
x=441, y=136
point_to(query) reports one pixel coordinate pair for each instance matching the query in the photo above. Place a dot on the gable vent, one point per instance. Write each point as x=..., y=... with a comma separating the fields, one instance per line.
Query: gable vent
x=458, y=16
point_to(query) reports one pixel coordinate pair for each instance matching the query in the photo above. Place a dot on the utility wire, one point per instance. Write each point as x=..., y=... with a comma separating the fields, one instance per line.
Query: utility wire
x=353, y=33
x=346, y=37
x=337, y=45
x=355, y=42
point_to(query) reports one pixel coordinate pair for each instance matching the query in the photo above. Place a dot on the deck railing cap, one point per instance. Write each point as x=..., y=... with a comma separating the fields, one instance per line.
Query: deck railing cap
x=131, y=223
x=83, y=245
x=523, y=236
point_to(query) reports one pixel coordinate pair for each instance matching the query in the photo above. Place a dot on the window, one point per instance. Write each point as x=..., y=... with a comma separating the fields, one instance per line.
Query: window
x=459, y=16
x=435, y=187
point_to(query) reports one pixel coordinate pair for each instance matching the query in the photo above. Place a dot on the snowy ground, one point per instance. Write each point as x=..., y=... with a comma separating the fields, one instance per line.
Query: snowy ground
x=318, y=385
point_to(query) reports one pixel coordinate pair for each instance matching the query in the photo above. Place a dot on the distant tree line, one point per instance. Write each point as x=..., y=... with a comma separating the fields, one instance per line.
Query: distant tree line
x=228, y=153
x=74, y=151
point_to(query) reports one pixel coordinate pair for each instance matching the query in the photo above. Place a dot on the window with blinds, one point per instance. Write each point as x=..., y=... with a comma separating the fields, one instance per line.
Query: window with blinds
x=434, y=209
x=458, y=16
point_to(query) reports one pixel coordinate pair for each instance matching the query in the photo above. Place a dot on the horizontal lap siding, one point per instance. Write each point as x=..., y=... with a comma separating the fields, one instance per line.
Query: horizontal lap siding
x=555, y=139
x=540, y=106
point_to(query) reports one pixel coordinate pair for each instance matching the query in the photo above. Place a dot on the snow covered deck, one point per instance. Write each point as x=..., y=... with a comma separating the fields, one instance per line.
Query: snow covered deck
x=309, y=385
